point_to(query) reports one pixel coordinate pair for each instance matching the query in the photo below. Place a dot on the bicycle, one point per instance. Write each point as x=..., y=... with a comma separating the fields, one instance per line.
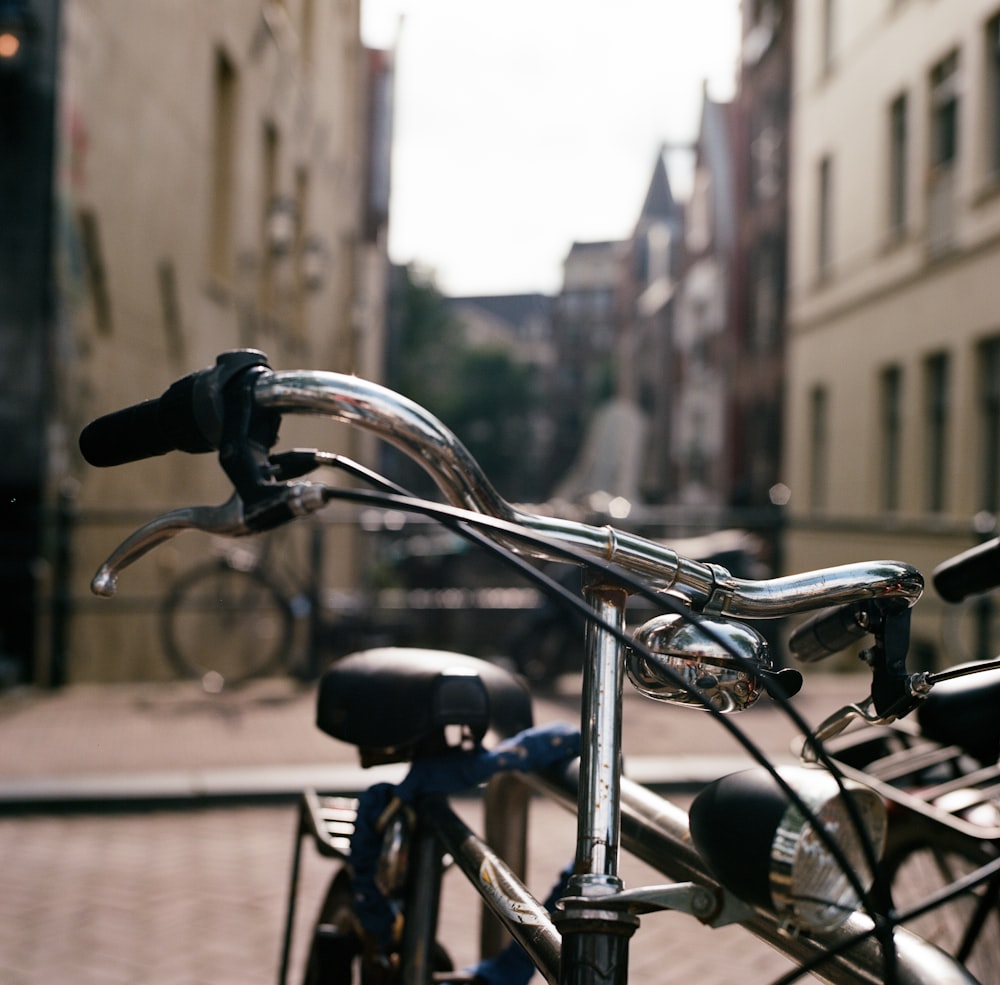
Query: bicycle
x=801, y=871
x=941, y=778
x=249, y=612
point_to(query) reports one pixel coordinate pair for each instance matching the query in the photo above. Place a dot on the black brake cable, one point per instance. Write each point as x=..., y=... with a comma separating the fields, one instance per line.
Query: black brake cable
x=465, y=525
x=395, y=496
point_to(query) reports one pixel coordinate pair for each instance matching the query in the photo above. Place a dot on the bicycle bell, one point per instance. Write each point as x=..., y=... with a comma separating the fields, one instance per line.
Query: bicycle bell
x=725, y=662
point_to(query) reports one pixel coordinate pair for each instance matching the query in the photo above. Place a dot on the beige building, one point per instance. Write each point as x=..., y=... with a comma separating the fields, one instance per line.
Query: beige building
x=223, y=183
x=893, y=412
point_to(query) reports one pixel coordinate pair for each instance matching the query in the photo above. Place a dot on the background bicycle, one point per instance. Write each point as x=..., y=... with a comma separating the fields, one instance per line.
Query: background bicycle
x=259, y=606
x=262, y=605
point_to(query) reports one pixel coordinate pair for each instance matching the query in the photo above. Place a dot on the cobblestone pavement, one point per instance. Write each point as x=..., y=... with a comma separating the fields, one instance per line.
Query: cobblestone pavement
x=198, y=898
x=197, y=895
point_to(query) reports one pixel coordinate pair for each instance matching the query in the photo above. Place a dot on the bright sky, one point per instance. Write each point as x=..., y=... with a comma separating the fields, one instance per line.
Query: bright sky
x=523, y=125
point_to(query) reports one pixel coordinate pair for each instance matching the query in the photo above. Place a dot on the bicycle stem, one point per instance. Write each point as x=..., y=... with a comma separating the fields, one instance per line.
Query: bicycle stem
x=599, y=814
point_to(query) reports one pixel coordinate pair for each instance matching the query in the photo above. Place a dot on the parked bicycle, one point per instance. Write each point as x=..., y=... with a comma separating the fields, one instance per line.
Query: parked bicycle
x=939, y=774
x=791, y=855
x=255, y=609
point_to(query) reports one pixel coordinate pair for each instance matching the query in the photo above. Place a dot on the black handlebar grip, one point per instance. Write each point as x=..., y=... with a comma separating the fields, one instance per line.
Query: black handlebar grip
x=969, y=573
x=188, y=417
x=828, y=632
x=172, y=422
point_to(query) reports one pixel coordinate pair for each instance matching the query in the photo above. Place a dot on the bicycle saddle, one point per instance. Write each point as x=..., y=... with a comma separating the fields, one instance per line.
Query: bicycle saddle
x=394, y=703
x=965, y=712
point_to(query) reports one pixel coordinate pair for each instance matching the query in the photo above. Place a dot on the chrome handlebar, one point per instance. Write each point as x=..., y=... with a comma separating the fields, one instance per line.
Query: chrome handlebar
x=707, y=587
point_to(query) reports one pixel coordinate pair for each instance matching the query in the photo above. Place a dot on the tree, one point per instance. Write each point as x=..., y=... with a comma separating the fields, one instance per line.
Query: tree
x=482, y=393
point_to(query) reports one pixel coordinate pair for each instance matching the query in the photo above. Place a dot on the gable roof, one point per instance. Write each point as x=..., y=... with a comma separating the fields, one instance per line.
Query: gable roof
x=659, y=198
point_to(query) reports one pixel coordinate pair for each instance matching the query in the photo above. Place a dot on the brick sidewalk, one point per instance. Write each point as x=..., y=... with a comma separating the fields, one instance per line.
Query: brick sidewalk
x=197, y=896
x=170, y=742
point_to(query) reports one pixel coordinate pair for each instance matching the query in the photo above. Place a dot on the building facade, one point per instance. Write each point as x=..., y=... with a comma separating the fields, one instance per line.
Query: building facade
x=893, y=416
x=760, y=163
x=222, y=182
x=704, y=353
x=584, y=335
x=644, y=340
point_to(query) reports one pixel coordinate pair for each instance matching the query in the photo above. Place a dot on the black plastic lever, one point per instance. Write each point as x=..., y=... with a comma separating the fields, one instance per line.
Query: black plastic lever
x=831, y=630
x=969, y=573
x=187, y=417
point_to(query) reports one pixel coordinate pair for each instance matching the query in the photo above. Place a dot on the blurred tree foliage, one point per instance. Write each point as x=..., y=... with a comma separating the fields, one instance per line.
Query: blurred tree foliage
x=483, y=393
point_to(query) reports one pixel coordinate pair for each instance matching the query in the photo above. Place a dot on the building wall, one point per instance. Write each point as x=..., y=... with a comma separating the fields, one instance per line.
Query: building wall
x=760, y=153
x=704, y=341
x=181, y=127
x=892, y=280
x=584, y=333
x=644, y=326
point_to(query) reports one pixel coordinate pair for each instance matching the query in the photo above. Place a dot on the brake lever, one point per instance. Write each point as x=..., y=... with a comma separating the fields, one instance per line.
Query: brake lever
x=229, y=520
x=917, y=688
x=836, y=723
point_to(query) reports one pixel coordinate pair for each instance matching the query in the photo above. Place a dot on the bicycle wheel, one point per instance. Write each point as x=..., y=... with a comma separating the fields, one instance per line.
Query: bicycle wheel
x=336, y=945
x=919, y=862
x=222, y=625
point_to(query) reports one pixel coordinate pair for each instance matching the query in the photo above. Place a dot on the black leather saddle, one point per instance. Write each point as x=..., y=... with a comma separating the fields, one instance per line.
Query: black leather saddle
x=395, y=703
x=965, y=712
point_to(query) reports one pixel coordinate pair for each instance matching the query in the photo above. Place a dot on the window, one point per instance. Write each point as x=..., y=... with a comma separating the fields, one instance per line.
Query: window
x=890, y=412
x=699, y=215
x=173, y=330
x=943, y=155
x=307, y=31
x=936, y=406
x=944, y=112
x=993, y=93
x=827, y=35
x=766, y=149
x=697, y=457
x=93, y=253
x=300, y=254
x=989, y=411
x=273, y=234
x=824, y=225
x=818, y=447
x=767, y=288
x=224, y=109
x=897, y=166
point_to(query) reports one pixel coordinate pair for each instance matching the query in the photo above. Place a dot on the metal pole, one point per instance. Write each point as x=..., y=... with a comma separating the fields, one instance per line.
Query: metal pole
x=599, y=817
x=595, y=937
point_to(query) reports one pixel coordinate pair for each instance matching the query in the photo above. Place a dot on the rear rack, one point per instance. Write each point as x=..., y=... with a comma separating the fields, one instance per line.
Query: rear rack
x=942, y=784
x=329, y=821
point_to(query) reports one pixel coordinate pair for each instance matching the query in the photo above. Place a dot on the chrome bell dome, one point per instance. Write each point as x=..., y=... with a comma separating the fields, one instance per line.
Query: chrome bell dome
x=723, y=661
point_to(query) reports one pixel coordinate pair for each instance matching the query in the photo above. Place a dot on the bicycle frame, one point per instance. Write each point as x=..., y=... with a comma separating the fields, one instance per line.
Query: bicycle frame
x=594, y=918
x=600, y=916
x=656, y=832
